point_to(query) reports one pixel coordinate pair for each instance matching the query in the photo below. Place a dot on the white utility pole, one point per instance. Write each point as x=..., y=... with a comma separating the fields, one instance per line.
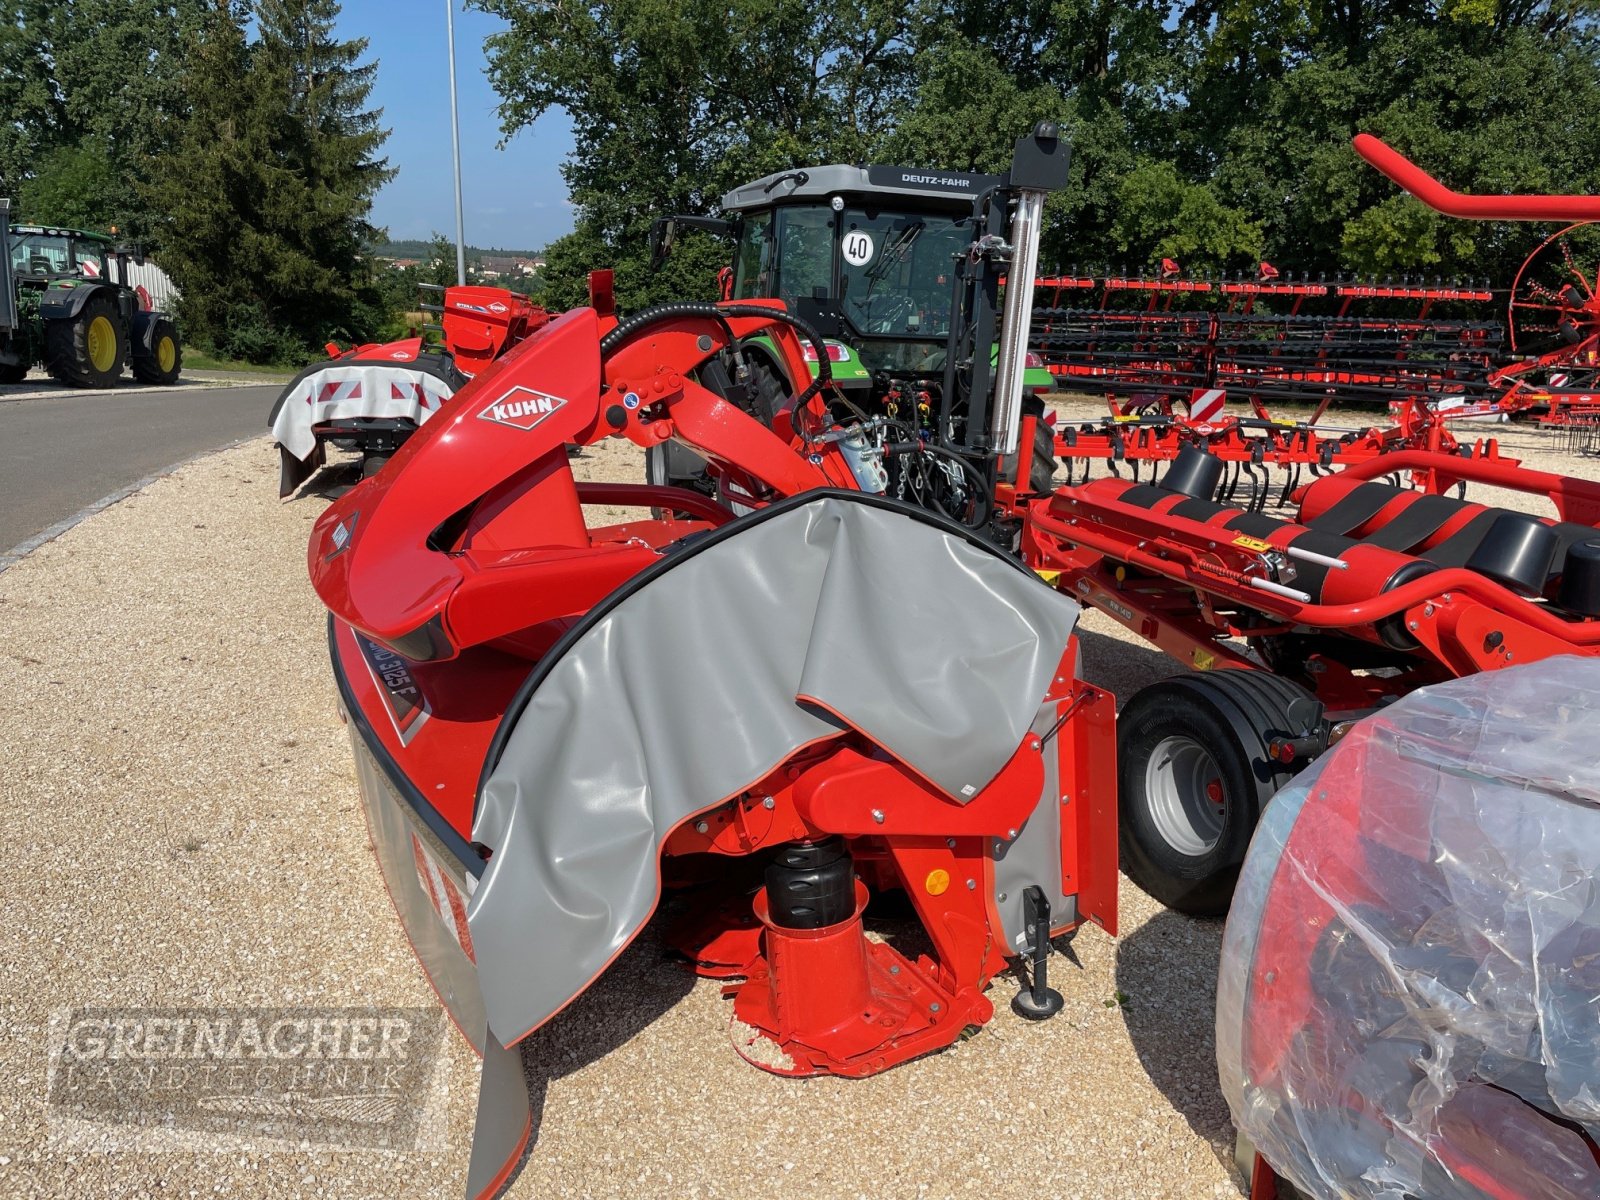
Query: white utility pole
x=455, y=142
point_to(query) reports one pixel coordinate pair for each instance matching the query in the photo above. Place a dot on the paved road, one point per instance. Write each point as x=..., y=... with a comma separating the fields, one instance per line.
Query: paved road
x=60, y=453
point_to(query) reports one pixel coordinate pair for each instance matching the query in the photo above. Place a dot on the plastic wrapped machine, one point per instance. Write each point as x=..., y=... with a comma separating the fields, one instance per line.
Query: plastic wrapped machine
x=1409, y=998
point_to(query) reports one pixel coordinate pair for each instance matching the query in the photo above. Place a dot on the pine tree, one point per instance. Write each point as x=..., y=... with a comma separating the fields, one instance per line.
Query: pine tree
x=270, y=188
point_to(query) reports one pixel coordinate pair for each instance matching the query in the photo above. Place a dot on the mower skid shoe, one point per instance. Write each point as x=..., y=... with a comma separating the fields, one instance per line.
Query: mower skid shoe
x=504, y=1121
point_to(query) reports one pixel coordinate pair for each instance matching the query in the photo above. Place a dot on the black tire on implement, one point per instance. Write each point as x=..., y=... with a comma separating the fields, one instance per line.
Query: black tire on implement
x=165, y=361
x=13, y=372
x=1194, y=773
x=75, y=351
x=1040, y=457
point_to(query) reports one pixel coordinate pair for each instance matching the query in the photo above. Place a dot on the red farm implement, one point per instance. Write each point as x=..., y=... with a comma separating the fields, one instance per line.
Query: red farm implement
x=1367, y=592
x=1168, y=357
x=562, y=716
x=371, y=398
x=830, y=669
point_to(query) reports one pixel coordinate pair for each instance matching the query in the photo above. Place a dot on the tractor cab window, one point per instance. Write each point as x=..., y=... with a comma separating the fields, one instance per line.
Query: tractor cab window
x=89, y=259
x=41, y=254
x=787, y=254
x=752, y=268
x=895, y=272
x=805, y=254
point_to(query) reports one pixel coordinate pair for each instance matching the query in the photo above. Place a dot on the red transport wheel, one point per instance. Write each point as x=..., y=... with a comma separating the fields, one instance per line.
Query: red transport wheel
x=1554, y=307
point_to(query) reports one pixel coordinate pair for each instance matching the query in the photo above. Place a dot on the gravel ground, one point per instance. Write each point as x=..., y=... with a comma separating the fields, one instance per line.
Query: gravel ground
x=181, y=828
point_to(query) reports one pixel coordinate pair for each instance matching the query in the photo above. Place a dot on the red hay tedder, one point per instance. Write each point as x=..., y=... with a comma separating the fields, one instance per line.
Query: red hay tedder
x=783, y=694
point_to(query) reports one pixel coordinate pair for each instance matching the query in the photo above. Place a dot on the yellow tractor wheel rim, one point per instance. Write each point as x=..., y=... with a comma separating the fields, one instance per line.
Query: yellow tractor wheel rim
x=102, y=344
x=166, y=354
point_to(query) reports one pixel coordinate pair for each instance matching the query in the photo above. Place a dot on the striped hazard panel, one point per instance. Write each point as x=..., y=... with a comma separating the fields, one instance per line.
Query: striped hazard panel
x=445, y=897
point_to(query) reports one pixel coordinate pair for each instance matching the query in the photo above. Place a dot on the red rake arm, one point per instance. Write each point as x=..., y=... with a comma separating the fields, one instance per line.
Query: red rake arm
x=1473, y=208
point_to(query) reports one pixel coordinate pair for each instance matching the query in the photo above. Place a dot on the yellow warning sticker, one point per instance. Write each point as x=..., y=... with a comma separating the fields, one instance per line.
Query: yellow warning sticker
x=1204, y=660
x=1250, y=543
x=1048, y=576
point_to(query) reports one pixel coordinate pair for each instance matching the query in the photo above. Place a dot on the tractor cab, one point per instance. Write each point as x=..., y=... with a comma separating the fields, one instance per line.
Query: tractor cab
x=41, y=254
x=865, y=254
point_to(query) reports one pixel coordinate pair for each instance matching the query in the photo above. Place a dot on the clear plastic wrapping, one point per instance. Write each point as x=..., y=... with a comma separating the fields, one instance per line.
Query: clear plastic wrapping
x=1409, y=998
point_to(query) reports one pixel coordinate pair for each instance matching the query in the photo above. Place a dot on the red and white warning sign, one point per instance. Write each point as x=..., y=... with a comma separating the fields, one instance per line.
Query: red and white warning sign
x=445, y=897
x=1205, y=405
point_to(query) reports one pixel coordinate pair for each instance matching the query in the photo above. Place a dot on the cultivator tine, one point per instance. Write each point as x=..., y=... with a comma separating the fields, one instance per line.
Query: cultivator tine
x=1290, y=483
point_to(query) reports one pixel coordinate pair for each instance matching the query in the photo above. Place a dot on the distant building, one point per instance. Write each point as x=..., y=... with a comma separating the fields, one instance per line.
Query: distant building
x=404, y=264
x=493, y=266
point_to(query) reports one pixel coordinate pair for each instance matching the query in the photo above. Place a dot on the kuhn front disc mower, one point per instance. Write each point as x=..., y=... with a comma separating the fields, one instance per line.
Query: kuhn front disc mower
x=774, y=717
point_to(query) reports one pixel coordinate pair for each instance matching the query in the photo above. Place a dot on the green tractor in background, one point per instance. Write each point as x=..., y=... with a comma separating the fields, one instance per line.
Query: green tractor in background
x=866, y=255
x=63, y=306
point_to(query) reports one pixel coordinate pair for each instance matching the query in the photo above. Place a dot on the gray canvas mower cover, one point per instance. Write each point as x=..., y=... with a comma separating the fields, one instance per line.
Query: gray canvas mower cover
x=371, y=398
x=820, y=616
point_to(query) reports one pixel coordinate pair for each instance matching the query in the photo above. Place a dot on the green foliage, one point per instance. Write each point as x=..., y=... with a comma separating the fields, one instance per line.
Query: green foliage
x=73, y=186
x=1160, y=214
x=1215, y=132
x=675, y=103
x=90, y=90
x=267, y=188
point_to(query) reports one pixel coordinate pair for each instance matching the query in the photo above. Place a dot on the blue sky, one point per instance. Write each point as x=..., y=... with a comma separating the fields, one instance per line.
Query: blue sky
x=513, y=198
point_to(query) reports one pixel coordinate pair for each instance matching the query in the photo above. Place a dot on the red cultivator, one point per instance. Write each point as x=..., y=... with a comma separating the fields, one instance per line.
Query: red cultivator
x=1183, y=365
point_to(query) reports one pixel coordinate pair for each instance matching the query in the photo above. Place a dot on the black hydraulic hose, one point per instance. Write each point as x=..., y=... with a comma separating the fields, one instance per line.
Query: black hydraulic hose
x=688, y=308
x=982, y=501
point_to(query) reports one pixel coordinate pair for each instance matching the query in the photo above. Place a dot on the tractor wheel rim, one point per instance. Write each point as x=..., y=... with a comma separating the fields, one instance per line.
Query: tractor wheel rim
x=102, y=344
x=166, y=353
x=1187, y=799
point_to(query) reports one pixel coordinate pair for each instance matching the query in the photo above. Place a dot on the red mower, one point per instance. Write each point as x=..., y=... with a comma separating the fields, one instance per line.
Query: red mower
x=371, y=398
x=772, y=717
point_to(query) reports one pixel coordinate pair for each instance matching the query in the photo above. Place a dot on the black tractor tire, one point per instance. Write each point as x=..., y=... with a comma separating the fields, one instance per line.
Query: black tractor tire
x=76, y=350
x=1194, y=772
x=13, y=372
x=1041, y=458
x=1041, y=475
x=164, y=363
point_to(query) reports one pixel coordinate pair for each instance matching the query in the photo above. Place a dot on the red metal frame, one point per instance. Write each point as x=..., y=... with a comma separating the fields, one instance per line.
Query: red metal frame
x=1192, y=588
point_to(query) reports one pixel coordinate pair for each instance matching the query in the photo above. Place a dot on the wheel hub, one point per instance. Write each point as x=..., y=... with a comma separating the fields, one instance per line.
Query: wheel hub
x=102, y=340
x=1188, y=802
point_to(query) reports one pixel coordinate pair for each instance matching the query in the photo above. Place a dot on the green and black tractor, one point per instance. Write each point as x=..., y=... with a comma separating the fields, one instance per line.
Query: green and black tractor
x=65, y=303
x=867, y=255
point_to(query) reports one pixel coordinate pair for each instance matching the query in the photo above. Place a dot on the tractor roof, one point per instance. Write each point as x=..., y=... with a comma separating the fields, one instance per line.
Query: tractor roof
x=61, y=231
x=943, y=189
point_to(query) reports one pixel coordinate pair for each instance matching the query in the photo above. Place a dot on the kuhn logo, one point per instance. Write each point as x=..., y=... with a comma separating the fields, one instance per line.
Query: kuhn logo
x=522, y=408
x=497, y=307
